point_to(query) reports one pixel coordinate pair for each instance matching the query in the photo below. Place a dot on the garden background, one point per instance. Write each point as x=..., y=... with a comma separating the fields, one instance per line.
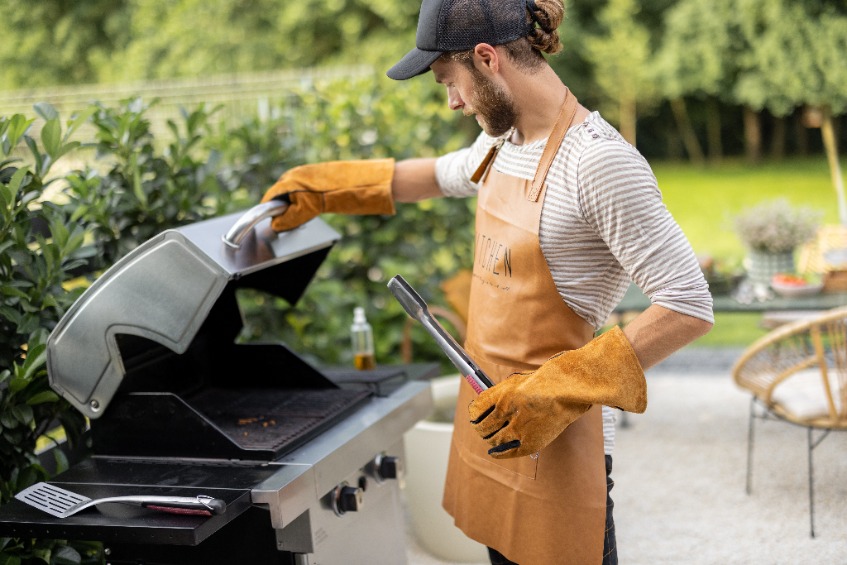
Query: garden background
x=119, y=119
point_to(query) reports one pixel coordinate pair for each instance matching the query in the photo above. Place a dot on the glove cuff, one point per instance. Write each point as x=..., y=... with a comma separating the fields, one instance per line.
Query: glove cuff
x=604, y=371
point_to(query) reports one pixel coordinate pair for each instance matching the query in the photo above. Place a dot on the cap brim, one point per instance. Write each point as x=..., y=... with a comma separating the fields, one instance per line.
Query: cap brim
x=416, y=62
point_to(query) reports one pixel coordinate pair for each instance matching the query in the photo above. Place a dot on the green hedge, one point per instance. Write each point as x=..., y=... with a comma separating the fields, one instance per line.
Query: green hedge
x=60, y=228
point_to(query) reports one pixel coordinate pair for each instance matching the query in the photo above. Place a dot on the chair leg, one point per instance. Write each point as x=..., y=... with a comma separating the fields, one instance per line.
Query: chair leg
x=812, y=445
x=749, y=485
x=811, y=488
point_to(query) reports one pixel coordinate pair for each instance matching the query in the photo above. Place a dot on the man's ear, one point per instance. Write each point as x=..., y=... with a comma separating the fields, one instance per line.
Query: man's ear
x=486, y=58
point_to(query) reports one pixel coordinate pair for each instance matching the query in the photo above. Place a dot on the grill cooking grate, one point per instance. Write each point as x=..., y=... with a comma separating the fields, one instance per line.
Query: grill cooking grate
x=275, y=419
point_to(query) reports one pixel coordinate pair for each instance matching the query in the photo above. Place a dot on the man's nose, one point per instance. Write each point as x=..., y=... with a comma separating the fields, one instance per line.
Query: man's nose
x=454, y=101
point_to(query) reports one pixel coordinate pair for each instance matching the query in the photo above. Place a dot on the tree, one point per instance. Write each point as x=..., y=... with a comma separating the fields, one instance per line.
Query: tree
x=54, y=42
x=620, y=55
x=695, y=58
x=256, y=35
x=797, y=57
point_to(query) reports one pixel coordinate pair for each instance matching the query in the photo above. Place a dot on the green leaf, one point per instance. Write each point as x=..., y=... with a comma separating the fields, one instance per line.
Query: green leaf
x=17, y=180
x=18, y=126
x=61, y=460
x=5, y=245
x=67, y=148
x=51, y=137
x=17, y=384
x=7, y=420
x=46, y=111
x=12, y=291
x=35, y=360
x=43, y=397
x=65, y=555
x=79, y=119
x=36, y=154
x=9, y=560
x=22, y=414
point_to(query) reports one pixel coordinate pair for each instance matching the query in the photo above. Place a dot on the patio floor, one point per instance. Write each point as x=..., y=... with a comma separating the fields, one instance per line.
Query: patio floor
x=679, y=472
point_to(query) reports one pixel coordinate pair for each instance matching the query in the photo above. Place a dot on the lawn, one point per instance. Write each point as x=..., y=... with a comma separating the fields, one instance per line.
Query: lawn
x=704, y=201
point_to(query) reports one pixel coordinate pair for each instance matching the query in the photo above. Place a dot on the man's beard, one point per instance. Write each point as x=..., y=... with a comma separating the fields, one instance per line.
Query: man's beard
x=493, y=106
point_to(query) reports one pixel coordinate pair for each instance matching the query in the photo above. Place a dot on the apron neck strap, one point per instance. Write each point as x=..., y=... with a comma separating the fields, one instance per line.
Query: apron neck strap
x=560, y=128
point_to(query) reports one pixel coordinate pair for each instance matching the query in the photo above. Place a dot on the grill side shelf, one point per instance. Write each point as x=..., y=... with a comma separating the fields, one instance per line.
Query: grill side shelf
x=109, y=525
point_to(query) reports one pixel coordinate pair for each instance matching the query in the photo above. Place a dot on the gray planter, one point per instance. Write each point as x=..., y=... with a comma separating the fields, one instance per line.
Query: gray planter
x=763, y=265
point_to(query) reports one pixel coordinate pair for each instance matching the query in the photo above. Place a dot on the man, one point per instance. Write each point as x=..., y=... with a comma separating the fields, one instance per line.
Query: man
x=568, y=213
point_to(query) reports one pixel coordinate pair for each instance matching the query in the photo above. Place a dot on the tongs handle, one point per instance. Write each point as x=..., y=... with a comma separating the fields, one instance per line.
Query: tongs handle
x=251, y=217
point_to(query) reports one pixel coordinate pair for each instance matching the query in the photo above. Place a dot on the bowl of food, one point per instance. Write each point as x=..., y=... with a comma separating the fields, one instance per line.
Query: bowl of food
x=790, y=285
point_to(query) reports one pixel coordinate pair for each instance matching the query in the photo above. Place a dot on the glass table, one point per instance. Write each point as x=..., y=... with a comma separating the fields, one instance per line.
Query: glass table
x=776, y=310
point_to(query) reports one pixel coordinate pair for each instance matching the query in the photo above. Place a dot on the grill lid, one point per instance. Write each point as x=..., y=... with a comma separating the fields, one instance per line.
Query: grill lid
x=166, y=288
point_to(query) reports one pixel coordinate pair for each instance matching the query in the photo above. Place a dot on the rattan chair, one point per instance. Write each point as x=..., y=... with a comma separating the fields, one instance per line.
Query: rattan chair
x=798, y=374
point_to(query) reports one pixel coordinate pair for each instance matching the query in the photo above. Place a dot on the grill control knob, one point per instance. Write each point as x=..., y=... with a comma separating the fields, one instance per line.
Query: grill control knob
x=388, y=467
x=346, y=498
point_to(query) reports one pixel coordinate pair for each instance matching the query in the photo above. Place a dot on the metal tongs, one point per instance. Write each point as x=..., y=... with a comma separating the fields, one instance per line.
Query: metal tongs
x=417, y=309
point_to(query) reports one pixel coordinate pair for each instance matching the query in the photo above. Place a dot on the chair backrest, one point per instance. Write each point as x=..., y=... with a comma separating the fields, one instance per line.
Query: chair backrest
x=457, y=292
x=798, y=364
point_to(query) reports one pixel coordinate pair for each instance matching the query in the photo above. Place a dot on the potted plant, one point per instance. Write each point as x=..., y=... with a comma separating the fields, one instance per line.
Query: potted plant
x=771, y=231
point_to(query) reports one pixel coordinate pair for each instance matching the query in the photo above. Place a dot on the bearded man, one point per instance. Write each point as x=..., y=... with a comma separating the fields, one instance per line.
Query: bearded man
x=575, y=214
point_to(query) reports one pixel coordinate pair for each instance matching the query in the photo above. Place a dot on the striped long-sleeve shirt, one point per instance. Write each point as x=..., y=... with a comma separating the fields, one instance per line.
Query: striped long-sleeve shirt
x=603, y=224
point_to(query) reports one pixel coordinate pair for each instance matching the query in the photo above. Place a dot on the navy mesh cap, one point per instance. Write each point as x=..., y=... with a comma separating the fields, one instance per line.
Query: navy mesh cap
x=460, y=25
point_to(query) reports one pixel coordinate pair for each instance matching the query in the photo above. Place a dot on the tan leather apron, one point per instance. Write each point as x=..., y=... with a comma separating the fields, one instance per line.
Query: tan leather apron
x=535, y=511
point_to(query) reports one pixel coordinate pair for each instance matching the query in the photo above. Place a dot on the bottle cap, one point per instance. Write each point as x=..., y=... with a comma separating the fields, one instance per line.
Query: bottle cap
x=359, y=315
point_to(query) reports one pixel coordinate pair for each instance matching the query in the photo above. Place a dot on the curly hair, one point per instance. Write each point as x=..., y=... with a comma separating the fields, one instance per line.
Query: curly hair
x=548, y=15
x=544, y=17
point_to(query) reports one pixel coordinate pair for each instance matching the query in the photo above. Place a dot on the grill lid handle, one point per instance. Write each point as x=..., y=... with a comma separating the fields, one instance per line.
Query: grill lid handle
x=250, y=218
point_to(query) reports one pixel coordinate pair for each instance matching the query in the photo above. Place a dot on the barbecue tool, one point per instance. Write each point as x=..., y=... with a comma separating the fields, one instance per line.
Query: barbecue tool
x=62, y=503
x=417, y=309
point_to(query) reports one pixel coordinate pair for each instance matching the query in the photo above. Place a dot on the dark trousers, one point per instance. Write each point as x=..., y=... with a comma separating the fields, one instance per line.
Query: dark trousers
x=610, y=550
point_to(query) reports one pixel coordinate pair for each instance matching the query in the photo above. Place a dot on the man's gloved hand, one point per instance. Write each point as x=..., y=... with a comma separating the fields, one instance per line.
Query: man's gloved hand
x=345, y=187
x=524, y=413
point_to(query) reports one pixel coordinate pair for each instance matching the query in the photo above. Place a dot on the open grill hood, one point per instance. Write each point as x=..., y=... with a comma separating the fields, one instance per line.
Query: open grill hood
x=169, y=291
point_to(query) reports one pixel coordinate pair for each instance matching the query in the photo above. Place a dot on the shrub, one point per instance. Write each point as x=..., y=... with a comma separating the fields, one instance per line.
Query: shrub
x=86, y=220
x=144, y=188
x=368, y=117
x=39, y=247
x=138, y=185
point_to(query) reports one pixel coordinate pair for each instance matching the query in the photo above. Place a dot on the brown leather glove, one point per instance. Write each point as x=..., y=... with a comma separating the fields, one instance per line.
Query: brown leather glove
x=524, y=413
x=346, y=187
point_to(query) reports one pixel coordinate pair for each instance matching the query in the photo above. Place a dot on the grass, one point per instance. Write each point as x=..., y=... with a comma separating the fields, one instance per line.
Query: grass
x=705, y=200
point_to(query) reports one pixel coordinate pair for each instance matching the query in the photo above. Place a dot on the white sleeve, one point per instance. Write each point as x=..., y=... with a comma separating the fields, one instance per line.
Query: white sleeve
x=453, y=171
x=620, y=197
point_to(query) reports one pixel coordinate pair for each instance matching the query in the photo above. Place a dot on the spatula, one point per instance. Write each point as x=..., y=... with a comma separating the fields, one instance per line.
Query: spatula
x=62, y=503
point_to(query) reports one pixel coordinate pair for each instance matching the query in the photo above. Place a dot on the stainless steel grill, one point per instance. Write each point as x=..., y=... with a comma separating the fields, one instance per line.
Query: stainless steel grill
x=307, y=459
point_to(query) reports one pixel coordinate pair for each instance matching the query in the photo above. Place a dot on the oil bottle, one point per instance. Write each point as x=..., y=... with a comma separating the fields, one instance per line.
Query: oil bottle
x=363, y=341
